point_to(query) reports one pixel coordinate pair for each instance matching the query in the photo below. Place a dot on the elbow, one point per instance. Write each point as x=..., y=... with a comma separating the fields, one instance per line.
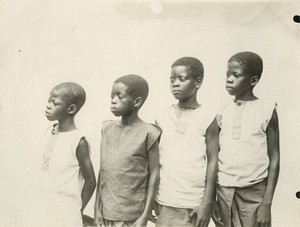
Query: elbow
x=154, y=177
x=278, y=164
x=275, y=160
x=275, y=163
x=92, y=183
x=213, y=165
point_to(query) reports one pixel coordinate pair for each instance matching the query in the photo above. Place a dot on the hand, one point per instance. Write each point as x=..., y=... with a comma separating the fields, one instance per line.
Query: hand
x=141, y=221
x=264, y=215
x=98, y=217
x=215, y=213
x=87, y=220
x=203, y=214
x=152, y=217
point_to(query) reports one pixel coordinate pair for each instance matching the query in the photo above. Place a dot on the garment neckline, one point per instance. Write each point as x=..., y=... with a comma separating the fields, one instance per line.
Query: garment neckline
x=55, y=131
x=244, y=101
x=118, y=123
x=186, y=109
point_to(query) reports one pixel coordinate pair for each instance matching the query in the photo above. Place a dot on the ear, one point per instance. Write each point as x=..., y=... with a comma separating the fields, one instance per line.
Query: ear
x=138, y=102
x=198, y=83
x=254, y=80
x=72, y=109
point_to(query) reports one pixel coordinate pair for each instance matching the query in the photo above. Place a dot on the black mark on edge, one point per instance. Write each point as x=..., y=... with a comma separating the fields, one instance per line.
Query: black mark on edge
x=296, y=18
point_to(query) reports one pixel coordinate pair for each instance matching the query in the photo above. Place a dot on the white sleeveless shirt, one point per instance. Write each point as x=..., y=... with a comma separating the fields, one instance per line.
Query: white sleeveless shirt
x=63, y=180
x=182, y=151
x=243, y=156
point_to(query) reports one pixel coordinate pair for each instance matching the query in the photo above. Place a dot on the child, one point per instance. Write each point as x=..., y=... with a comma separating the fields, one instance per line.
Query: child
x=129, y=166
x=249, y=148
x=188, y=151
x=66, y=164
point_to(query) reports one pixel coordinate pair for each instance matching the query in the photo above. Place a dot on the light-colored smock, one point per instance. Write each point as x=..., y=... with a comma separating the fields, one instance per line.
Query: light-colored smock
x=183, y=156
x=62, y=178
x=124, y=173
x=243, y=156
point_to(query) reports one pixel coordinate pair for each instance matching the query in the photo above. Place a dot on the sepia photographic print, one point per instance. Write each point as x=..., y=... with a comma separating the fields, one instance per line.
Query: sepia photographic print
x=93, y=44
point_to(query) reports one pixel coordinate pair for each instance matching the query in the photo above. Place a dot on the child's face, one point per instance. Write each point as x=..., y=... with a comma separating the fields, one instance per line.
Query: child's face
x=121, y=103
x=57, y=107
x=237, y=82
x=182, y=84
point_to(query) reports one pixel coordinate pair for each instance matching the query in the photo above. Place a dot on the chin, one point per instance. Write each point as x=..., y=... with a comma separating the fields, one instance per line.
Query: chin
x=50, y=118
x=230, y=92
x=177, y=96
x=116, y=113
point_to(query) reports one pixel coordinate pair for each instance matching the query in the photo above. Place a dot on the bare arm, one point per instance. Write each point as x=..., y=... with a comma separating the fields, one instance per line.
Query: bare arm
x=153, y=156
x=97, y=198
x=212, y=149
x=274, y=156
x=86, y=166
x=98, y=216
x=264, y=211
x=212, y=144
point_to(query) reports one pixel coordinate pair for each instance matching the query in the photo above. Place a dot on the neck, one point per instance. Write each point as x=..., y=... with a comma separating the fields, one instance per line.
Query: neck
x=189, y=103
x=66, y=125
x=130, y=119
x=248, y=96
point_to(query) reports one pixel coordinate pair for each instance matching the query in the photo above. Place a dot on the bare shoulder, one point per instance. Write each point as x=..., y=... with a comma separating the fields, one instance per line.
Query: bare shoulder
x=83, y=142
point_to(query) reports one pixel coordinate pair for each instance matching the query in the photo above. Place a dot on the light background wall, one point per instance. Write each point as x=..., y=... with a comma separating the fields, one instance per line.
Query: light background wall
x=43, y=43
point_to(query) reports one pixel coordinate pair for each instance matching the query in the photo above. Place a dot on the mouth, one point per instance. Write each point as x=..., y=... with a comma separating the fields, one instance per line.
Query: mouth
x=176, y=91
x=115, y=111
x=48, y=116
x=228, y=87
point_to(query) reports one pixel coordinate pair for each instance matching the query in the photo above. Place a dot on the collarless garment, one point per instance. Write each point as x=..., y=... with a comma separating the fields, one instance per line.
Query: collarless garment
x=243, y=156
x=62, y=177
x=183, y=156
x=124, y=168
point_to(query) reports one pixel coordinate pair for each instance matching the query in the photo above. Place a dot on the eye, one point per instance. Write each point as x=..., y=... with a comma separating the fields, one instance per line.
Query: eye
x=182, y=79
x=120, y=96
x=50, y=100
x=228, y=74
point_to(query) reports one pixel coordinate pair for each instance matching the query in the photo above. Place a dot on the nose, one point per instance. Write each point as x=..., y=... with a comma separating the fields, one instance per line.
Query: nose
x=175, y=83
x=229, y=79
x=113, y=100
x=48, y=106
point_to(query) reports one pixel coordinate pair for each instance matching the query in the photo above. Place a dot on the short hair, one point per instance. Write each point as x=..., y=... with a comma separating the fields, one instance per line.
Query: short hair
x=252, y=63
x=194, y=65
x=73, y=93
x=137, y=86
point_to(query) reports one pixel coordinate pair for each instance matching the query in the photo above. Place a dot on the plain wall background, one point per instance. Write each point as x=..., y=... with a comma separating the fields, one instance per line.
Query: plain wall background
x=43, y=43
